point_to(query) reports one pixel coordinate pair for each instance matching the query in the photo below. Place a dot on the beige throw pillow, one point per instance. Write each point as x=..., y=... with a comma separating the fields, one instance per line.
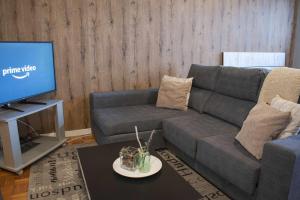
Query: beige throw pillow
x=174, y=92
x=288, y=106
x=263, y=124
x=282, y=81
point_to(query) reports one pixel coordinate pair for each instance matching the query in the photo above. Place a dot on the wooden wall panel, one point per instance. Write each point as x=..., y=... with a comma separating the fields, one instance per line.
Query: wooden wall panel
x=105, y=45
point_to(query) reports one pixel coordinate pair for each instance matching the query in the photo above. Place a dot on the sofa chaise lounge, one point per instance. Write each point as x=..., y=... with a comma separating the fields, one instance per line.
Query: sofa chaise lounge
x=203, y=136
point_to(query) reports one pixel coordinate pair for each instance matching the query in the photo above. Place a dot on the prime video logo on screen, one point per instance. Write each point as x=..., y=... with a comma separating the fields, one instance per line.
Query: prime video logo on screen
x=19, y=72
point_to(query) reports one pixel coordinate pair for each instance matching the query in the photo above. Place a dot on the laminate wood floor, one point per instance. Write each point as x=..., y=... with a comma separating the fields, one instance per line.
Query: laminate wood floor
x=14, y=187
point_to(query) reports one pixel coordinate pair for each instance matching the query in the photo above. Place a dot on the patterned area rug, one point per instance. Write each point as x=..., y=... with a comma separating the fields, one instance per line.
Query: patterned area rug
x=200, y=184
x=57, y=176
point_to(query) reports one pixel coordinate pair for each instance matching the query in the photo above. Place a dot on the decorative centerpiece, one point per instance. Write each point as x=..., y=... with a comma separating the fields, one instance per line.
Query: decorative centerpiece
x=144, y=155
x=136, y=162
x=129, y=158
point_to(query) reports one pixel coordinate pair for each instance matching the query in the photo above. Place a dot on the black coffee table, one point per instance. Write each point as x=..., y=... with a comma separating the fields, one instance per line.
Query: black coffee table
x=103, y=183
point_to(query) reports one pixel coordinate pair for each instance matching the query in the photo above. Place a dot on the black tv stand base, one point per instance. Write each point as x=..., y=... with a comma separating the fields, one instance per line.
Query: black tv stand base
x=32, y=102
x=8, y=107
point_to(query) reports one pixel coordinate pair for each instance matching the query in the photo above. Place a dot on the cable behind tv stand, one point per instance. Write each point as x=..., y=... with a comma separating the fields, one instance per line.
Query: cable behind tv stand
x=11, y=157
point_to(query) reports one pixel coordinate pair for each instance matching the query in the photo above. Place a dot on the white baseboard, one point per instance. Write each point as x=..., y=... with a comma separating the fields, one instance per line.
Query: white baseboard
x=73, y=133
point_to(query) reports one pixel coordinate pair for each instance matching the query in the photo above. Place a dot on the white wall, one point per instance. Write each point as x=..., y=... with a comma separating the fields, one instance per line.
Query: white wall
x=296, y=59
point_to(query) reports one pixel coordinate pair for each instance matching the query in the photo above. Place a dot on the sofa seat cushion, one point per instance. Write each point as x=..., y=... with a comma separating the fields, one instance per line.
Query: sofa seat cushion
x=227, y=158
x=121, y=120
x=184, y=131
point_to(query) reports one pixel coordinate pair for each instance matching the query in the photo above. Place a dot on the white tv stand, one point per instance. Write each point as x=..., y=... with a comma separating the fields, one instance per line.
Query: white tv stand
x=11, y=158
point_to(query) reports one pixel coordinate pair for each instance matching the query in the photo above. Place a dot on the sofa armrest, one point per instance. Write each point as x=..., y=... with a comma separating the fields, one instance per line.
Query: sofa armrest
x=122, y=98
x=280, y=170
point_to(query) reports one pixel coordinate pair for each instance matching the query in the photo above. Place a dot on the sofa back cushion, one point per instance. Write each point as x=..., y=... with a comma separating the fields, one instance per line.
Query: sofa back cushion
x=228, y=108
x=203, y=84
x=236, y=92
x=240, y=82
x=204, y=76
x=198, y=98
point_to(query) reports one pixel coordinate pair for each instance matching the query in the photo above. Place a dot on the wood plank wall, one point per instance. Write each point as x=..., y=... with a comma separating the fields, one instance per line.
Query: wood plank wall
x=105, y=45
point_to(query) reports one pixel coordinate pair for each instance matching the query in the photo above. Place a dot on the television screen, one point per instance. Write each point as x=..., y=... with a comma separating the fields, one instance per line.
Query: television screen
x=27, y=69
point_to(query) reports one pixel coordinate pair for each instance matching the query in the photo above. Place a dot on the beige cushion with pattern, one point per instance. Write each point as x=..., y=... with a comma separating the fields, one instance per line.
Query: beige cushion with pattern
x=174, y=92
x=281, y=81
x=263, y=124
x=288, y=106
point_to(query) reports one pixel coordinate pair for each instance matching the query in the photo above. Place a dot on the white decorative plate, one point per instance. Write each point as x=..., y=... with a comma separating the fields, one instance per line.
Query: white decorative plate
x=155, y=166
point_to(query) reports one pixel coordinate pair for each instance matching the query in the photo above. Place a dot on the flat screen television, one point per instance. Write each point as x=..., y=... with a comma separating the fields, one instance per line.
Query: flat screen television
x=27, y=70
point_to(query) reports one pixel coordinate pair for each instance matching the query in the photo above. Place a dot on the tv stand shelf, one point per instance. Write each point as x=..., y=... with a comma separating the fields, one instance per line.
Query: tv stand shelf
x=11, y=158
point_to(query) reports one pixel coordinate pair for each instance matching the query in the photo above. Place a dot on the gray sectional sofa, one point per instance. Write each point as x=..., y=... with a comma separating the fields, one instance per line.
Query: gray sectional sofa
x=203, y=136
